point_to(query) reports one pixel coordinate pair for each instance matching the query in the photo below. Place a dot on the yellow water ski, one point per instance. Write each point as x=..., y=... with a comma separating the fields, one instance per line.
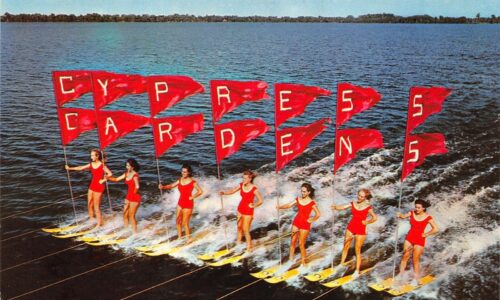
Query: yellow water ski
x=382, y=285
x=266, y=272
x=74, y=234
x=227, y=261
x=150, y=248
x=59, y=229
x=344, y=280
x=409, y=288
x=215, y=255
x=106, y=242
x=323, y=274
x=164, y=251
x=95, y=238
x=283, y=277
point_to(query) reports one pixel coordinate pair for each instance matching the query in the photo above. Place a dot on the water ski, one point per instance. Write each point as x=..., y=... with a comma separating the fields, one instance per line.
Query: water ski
x=215, y=255
x=74, y=234
x=401, y=290
x=59, y=229
x=323, y=274
x=228, y=260
x=346, y=279
x=284, y=276
x=266, y=272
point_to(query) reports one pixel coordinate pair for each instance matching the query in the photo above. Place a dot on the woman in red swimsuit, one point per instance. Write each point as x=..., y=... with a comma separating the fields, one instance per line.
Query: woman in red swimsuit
x=415, y=239
x=356, y=229
x=302, y=222
x=248, y=192
x=133, y=198
x=96, y=188
x=185, y=184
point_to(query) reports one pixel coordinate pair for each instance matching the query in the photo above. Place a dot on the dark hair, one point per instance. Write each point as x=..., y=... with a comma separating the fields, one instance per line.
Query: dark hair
x=251, y=174
x=98, y=153
x=368, y=194
x=188, y=168
x=309, y=188
x=424, y=203
x=134, y=164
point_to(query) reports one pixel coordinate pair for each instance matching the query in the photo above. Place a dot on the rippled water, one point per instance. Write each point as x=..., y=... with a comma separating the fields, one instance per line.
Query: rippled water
x=462, y=185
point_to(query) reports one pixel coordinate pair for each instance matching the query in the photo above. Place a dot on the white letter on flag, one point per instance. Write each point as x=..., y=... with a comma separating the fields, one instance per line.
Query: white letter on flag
x=283, y=144
x=231, y=143
x=62, y=86
x=414, y=151
x=220, y=95
x=104, y=86
x=110, y=123
x=283, y=100
x=158, y=91
x=160, y=129
x=344, y=99
x=347, y=144
x=66, y=116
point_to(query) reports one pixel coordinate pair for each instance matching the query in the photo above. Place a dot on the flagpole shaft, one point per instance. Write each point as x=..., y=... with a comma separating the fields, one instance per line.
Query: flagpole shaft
x=279, y=218
x=222, y=209
x=333, y=220
x=158, y=172
x=69, y=184
x=396, y=233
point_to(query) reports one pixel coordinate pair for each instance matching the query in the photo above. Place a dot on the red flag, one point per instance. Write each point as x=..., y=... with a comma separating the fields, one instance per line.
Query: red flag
x=230, y=136
x=113, y=125
x=75, y=121
x=424, y=102
x=352, y=99
x=229, y=94
x=291, y=100
x=70, y=85
x=418, y=147
x=166, y=91
x=291, y=142
x=170, y=131
x=349, y=141
x=110, y=86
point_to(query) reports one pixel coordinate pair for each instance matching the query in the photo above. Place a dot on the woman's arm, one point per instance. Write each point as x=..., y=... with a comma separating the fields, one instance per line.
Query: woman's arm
x=433, y=231
x=79, y=168
x=137, y=186
x=259, y=200
x=107, y=171
x=286, y=206
x=340, y=207
x=199, y=191
x=373, y=218
x=403, y=216
x=230, y=192
x=168, y=186
x=316, y=214
x=114, y=179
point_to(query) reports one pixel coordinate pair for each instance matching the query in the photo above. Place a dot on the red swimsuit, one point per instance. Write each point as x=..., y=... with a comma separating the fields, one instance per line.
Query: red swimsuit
x=186, y=190
x=246, y=199
x=97, y=174
x=414, y=236
x=131, y=196
x=300, y=220
x=356, y=226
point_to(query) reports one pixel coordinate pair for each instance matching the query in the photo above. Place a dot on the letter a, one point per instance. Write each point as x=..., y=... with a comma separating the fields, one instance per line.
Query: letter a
x=110, y=123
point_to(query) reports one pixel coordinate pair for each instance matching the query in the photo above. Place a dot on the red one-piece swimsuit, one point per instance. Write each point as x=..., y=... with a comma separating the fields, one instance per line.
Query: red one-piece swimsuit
x=300, y=220
x=246, y=199
x=131, y=196
x=356, y=226
x=97, y=174
x=186, y=190
x=414, y=236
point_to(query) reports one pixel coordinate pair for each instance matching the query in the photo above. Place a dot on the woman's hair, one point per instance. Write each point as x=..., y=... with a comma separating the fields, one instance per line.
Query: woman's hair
x=309, y=188
x=368, y=194
x=424, y=203
x=134, y=164
x=98, y=153
x=251, y=174
x=188, y=168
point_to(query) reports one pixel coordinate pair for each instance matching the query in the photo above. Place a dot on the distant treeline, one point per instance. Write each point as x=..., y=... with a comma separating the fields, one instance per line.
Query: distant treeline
x=371, y=18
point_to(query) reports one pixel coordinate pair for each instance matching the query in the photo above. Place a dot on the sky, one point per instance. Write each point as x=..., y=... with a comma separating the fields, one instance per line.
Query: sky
x=293, y=8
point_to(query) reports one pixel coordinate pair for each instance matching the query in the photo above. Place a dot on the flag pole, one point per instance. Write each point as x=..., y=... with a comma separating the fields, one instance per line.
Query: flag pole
x=278, y=194
x=163, y=217
x=222, y=202
x=69, y=184
x=333, y=192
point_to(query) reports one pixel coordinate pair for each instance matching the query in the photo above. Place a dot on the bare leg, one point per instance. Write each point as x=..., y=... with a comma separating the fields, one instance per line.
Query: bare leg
x=239, y=226
x=247, y=222
x=358, y=243
x=126, y=208
x=302, y=245
x=178, y=221
x=417, y=252
x=97, y=197
x=186, y=216
x=293, y=242
x=407, y=247
x=132, y=211
x=347, y=244
x=90, y=205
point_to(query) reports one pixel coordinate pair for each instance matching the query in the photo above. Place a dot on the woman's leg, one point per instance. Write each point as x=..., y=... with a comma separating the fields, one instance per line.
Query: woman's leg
x=302, y=245
x=96, y=199
x=358, y=243
x=126, y=209
x=247, y=222
x=417, y=252
x=239, y=226
x=186, y=217
x=134, y=206
x=178, y=221
x=347, y=244
x=293, y=241
x=90, y=204
x=407, y=247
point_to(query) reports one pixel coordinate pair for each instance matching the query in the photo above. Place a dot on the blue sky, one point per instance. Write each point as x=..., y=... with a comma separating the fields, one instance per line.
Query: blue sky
x=342, y=8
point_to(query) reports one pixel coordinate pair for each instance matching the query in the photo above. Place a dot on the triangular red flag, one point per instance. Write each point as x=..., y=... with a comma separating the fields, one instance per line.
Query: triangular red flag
x=291, y=100
x=75, y=121
x=70, y=85
x=352, y=99
x=291, y=142
x=170, y=131
x=418, y=147
x=230, y=136
x=424, y=102
x=113, y=125
x=110, y=86
x=228, y=94
x=349, y=141
x=165, y=91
